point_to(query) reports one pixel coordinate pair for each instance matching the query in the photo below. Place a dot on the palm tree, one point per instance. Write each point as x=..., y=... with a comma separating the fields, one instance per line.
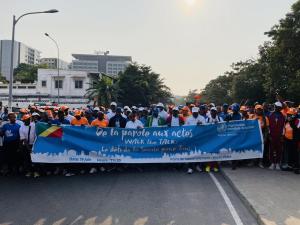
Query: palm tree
x=102, y=90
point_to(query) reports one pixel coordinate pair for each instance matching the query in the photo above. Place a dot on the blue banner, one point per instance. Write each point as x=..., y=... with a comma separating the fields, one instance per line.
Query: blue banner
x=216, y=142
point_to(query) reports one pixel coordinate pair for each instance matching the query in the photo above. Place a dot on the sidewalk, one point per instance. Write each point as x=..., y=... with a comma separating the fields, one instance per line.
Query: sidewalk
x=272, y=196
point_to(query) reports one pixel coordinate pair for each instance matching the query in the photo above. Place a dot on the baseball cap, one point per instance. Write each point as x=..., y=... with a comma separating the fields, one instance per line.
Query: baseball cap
x=195, y=109
x=278, y=104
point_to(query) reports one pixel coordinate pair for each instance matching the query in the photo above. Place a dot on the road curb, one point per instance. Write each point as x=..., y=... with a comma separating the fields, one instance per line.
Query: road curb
x=245, y=201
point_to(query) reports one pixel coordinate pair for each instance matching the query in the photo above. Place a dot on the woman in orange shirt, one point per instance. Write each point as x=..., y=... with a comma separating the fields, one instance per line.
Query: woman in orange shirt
x=100, y=121
x=79, y=120
x=290, y=142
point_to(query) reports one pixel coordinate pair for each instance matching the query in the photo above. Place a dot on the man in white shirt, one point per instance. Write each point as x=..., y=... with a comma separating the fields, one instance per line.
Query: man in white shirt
x=213, y=117
x=133, y=122
x=27, y=138
x=162, y=113
x=112, y=111
x=65, y=109
x=195, y=118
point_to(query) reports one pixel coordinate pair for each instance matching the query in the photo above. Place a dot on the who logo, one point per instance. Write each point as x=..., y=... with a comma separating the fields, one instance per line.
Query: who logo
x=222, y=127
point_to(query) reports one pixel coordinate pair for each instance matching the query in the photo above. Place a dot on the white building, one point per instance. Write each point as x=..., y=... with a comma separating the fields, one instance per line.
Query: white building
x=52, y=63
x=22, y=54
x=72, y=84
x=108, y=64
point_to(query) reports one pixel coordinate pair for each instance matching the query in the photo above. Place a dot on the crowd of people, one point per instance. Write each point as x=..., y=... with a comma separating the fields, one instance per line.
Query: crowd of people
x=279, y=122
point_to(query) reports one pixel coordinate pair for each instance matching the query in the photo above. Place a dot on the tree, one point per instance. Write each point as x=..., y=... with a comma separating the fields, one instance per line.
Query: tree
x=276, y=71
x=3, y=79
x=102, y=90
x=218, y=90
x=138, y=84
x=27, y=73
x=191, y=95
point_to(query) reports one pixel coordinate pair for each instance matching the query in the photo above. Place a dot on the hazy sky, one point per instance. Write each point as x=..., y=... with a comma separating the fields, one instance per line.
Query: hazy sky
x=188, y=42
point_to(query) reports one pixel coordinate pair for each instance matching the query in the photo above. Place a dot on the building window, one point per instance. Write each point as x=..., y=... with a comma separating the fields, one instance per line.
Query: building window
x=78, y=84
x=58, y=83
x=44, y=83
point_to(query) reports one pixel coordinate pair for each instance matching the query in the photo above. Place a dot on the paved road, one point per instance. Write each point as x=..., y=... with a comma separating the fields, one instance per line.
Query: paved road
x=162, y=197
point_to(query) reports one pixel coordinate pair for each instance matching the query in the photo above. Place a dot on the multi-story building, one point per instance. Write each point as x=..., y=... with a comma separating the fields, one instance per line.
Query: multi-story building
x=108, y=64
x=22, y=54
x=72, y=89
x=52, y=63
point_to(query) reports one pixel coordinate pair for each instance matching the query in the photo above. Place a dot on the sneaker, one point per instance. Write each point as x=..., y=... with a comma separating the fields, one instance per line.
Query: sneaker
x=56, y=171
x=284, y=166
x=277, y=167
x=261, y=165
x=190, y=171
x=36, y=175
x=48, y=173
x=28, y=174
x=198, y=168
x=93, y=170
x=69, y=174
x=216, y=169
x=102, y=169
x=207, y=169
x=272, y=167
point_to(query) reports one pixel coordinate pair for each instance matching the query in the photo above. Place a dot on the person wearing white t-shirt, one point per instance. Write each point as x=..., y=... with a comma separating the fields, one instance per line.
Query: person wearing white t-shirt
x=162, y=113
x=194, y=120
x=213, y=119
x=213, y=116
x=27, y=138
x=133, y=122
x=112, y=112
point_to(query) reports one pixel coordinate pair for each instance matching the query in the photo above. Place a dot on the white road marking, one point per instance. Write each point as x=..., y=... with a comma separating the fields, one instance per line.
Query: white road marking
x=229, y=204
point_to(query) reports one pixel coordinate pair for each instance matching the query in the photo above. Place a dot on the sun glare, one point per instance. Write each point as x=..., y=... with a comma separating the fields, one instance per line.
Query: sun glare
x=190, y=2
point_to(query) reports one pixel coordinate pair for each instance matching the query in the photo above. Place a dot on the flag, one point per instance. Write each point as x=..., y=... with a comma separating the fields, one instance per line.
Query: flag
x=47, y=130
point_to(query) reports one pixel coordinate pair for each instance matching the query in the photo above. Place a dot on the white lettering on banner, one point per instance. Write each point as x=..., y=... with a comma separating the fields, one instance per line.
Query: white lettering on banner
x=135, y=133
x=101, y=132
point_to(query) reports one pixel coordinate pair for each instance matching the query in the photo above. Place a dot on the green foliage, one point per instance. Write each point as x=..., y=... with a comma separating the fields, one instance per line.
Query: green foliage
x=27, y=73
x=103, y=90
x=191, y=95
x=3, y=79
x=137, y=85
x=275, y=71
x=140, y=85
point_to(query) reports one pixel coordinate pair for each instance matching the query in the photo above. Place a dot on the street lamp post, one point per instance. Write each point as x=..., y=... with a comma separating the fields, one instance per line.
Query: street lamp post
x=57, y=64
x=15, y=21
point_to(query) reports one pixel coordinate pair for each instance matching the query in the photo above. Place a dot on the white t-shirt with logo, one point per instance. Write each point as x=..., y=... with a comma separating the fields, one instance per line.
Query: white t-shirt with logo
x=192, y=121
x=134, y=125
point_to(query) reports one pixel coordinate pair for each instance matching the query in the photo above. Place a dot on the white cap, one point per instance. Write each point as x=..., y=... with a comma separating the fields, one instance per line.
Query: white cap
x=126, y=107
x=141, y=109
x=129, y=110
x=175, y=109
x=212, y=104
x=278, y=104
x=113, y=103
x=96, y=109
x=213, y=108
x=160, y=105
x=35, y=114
x=134, y=107
x=195, y=109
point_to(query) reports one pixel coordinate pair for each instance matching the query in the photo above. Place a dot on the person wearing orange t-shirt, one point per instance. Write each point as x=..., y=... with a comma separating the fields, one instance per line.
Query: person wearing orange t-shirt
x=100, y=121
x=290, y=142
x=79, y=120
x=264, y=125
